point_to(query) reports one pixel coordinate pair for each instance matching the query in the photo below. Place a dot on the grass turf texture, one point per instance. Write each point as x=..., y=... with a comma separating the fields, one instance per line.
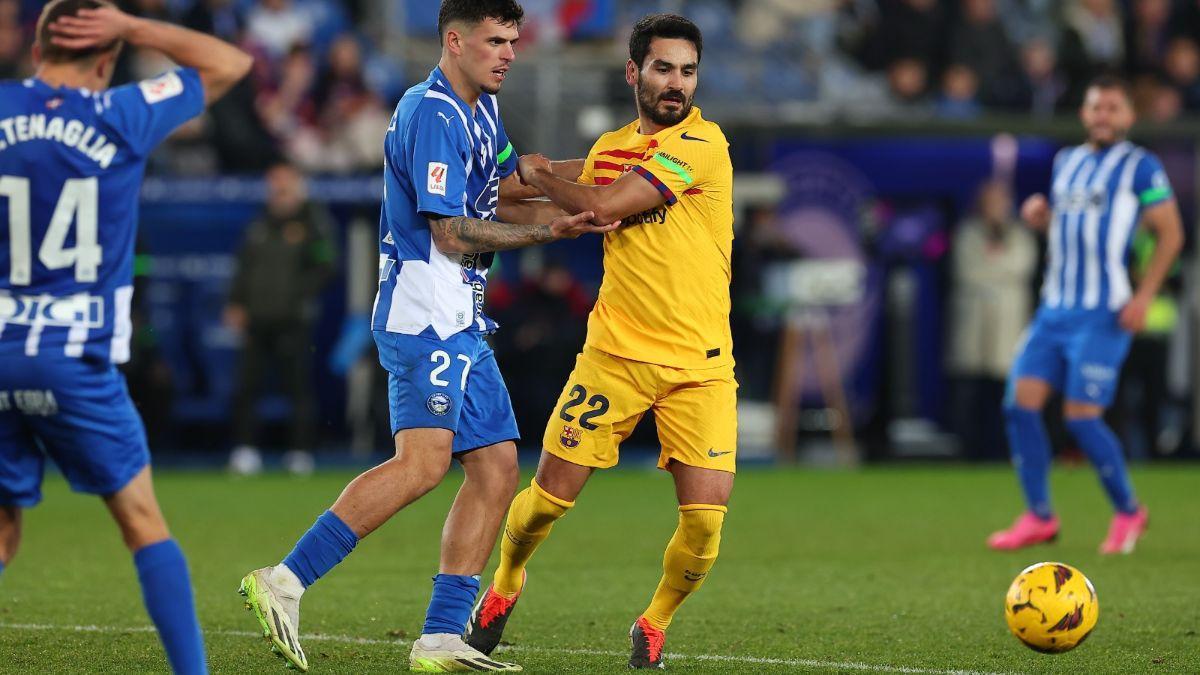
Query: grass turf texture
x=884, y=567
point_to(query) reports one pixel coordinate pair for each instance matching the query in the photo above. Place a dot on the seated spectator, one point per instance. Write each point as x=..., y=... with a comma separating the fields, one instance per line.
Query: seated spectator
x=286, y=104
x=349, y=119
x=1147, y=34
x=279, y=25
x=1096, y=25
x=959, y=97
x=908, y=79
x=979, y=43
x=13, y=63
x=1043, y=86
x=1182, y=67
x=902, y=30
x=1156, y=99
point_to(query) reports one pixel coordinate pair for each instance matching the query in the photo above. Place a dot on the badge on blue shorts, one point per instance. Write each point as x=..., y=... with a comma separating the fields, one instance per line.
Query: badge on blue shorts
x=439, y=404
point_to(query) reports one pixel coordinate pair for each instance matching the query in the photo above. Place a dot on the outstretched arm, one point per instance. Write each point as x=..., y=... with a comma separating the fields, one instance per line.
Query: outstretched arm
x=512, y=188
x=463, y=234
x=219, y=63
x=620, y=199
x=528, y=211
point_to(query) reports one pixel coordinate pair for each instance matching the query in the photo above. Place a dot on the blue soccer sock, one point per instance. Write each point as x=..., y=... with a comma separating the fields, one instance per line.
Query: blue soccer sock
x=450, y=606
x=325, y=545
x=1103, y=448
x=1, y=568
x=167, y=592
x=1030, y=448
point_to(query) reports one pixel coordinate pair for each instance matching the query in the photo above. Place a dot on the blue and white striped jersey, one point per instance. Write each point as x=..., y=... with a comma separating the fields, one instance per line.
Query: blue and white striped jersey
x=442, y=160
x=1098, y=197
x=71, y=165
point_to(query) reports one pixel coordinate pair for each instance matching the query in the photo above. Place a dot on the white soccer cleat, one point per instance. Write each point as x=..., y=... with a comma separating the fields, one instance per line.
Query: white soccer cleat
x=278, y=614
x=447, y=653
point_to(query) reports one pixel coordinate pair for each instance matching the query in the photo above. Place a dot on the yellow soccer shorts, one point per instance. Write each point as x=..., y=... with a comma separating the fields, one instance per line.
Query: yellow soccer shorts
x=606, y=396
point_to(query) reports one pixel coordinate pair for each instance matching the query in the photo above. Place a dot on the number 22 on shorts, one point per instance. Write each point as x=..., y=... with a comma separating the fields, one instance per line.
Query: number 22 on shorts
x=598, y=405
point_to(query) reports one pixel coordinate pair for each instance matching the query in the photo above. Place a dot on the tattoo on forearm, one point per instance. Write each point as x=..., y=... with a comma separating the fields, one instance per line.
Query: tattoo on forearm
x=480, y=236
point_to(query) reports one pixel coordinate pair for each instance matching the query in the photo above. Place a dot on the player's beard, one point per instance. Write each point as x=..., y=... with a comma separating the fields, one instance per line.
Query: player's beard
x=1108, y=141
x=648, y=101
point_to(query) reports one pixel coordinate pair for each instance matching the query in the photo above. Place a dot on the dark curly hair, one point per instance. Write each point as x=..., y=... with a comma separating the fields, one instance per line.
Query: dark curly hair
x=670, y=26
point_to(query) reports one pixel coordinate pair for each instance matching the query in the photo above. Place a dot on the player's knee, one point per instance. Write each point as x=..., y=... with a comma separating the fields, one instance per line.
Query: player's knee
x=1077, y=411
x=700, y=527
x=546, y=503
x=495, y=472
x=427, y=474
x=425, y=463
x=502, y=482
x=1027, y=394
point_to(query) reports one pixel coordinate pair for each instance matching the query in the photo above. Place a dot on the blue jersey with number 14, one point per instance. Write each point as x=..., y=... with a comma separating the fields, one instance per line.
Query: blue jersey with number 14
x=71, y=165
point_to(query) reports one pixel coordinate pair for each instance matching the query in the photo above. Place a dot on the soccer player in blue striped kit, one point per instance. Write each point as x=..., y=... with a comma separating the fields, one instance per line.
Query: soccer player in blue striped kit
x=1101, y=192
x=446, y=156
x=72, y=155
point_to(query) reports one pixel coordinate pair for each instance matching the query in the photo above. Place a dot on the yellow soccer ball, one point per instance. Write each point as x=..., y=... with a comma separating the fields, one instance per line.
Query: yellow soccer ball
x=1051, y=607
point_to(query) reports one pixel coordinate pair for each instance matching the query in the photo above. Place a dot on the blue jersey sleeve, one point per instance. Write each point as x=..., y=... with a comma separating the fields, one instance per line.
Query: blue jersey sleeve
x=147, y=112
x=1150, y=182
x=438, y=163
x=506, y=157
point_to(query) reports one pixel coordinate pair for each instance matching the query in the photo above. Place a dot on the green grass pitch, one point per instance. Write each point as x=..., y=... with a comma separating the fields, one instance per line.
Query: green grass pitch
x=882, y=570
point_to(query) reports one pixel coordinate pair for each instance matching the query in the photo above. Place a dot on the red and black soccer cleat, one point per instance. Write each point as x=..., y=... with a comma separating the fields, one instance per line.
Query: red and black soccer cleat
x=647, y=642
x=489, y=617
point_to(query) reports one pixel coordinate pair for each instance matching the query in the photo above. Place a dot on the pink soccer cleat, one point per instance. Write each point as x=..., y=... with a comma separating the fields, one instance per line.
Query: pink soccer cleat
x=1125, y=531
x=1026, y=531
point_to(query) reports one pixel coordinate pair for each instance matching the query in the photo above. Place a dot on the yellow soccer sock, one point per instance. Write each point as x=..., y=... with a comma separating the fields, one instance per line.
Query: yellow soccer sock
x=689, y=557
x=530, y=518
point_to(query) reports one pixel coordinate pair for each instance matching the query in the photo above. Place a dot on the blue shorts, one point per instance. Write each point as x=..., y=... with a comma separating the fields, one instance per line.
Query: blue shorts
x=77, y=413
x=450, y=384
x=1079, y=353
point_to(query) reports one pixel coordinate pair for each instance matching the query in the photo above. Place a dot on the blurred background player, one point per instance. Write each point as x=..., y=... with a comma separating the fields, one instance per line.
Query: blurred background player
x=1101, y=192
x=71, y=162
x=447, y=152
x=658, y=338
x=286, y=259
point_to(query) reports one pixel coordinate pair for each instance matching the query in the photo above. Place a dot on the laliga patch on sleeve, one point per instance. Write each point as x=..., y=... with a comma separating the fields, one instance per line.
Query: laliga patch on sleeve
x=437, y=179
x=161, y=88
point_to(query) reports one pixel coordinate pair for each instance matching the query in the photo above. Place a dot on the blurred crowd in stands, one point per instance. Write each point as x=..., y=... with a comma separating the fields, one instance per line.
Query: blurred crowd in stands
x=328, y=73
x=324, y=85
x=953, y=59
x=317, y=95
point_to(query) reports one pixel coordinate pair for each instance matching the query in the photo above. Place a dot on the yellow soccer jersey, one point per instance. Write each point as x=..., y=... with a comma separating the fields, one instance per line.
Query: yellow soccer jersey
x=665, y=295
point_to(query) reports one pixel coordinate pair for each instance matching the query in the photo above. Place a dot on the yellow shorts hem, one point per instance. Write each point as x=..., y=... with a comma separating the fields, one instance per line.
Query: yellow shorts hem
x=580, y=461
x=726, y=463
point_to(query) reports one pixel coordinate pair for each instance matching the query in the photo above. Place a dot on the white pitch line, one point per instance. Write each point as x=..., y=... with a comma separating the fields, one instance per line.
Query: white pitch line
x=719, y=658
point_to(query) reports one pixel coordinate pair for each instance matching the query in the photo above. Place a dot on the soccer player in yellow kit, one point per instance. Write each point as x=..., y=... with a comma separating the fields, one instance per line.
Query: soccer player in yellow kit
x=658, y=338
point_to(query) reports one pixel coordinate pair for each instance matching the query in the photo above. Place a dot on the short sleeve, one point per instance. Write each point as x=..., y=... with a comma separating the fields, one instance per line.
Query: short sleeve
x=438, y=165
x=146, y=112
x=1150, y=182
x=687, y=161
x=588, y=175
